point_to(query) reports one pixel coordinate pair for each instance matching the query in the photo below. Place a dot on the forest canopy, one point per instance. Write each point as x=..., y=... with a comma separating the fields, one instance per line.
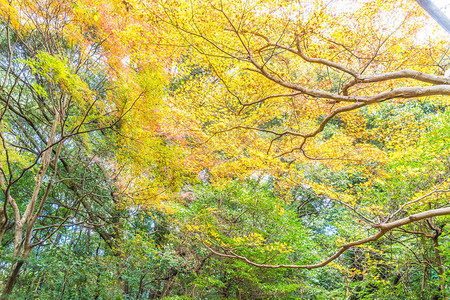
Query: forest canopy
x=224, y=149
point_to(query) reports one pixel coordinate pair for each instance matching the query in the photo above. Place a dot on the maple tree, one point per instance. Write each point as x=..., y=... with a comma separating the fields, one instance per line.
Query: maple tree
x=67, y=96
x=275, y=78
x=317, y=130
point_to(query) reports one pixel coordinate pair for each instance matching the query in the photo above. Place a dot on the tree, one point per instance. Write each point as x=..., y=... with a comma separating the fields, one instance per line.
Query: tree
x=295, y=81
x=51, y=98
x=70, y=96
x=315, y=131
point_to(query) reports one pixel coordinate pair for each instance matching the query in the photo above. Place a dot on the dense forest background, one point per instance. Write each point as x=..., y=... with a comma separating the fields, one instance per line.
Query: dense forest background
x=223, y=150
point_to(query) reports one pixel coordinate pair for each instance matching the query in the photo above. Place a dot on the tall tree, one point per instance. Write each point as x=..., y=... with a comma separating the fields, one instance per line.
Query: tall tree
x=294, y=80
x=74, y=110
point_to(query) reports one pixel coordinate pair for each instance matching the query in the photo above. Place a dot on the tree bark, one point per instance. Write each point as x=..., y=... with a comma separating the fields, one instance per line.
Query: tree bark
x=10, y=283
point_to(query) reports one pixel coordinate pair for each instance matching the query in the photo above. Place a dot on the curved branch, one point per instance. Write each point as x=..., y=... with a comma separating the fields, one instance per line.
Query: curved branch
x=402, y=74
x=402, y=92
x=358, y=77
x=406, y=74
x=300, y=53
x=270, y=97
x=321, y=60
x=416, y=200
x=384, y=228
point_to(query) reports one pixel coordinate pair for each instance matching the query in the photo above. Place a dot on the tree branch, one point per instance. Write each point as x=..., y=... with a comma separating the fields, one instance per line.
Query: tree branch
x=383, y=229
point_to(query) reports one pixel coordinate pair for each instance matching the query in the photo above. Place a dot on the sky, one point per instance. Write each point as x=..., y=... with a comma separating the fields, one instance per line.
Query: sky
x=444, y=5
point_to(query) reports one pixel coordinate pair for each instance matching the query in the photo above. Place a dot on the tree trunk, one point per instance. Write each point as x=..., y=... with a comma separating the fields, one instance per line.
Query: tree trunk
x=10, y=283
x=424, y=277
x=439, y=266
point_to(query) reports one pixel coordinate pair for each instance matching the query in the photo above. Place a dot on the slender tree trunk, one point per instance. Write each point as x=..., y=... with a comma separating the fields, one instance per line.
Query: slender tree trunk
x=141, y=286
x=10, y=283
x=2, y=227
x=22, y=244
x=15, y=268
x=424, y=277
x=14, y=274
x=439, y=266
x=63, y=290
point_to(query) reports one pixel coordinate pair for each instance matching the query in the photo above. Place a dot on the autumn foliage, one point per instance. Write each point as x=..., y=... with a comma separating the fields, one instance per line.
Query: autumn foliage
x=223, y=149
